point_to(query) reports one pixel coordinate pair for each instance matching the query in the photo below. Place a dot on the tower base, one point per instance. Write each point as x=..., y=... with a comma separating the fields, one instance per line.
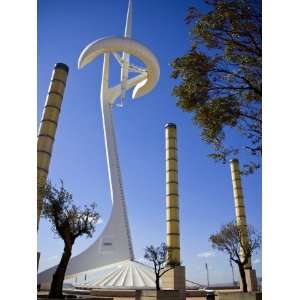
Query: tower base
x=174, y=280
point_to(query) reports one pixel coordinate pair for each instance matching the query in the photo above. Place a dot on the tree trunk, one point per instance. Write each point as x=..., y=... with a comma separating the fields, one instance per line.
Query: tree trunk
x=59, y=275
x=157, y=283
x=243, y=277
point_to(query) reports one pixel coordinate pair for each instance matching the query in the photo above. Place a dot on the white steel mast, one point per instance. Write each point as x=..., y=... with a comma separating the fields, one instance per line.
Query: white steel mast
x=114, y=244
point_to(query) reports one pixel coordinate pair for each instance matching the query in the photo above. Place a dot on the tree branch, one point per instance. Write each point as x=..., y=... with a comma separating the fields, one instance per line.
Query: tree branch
x=164, y=272
x=239, y=76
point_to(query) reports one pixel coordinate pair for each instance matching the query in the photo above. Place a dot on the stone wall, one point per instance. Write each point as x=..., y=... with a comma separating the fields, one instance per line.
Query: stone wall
x=238, y=296
x=158, y=295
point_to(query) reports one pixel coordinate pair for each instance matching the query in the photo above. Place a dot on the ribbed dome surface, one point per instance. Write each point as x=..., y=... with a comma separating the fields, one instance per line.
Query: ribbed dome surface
x=127, y=274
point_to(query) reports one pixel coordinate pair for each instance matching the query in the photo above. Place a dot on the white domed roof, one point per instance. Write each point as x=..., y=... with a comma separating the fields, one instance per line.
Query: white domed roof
x=126, y=274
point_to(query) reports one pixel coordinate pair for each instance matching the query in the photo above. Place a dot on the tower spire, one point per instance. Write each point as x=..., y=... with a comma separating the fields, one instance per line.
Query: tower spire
x=125, y=57
x=128, y=26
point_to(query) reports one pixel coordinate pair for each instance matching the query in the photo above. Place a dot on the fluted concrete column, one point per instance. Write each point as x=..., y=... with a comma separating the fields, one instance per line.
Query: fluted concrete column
x=241, y=221
x=48, y=127
x=172, y=206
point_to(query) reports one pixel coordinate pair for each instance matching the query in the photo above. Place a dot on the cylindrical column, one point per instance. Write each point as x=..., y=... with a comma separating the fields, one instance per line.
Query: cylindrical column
x=239, y=202
x=48, y=127
x=172, y=205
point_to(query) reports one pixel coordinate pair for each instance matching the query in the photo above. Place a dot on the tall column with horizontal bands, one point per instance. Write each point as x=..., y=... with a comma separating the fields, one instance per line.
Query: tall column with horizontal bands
x=172, y=206
x=174, y=278
x=48, y=125
x=240, y=212
x=241, y=221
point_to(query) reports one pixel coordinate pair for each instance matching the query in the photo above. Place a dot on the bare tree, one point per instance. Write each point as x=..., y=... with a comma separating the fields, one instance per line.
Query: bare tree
x=158, y=256
x=68, y=222
x=231, y=239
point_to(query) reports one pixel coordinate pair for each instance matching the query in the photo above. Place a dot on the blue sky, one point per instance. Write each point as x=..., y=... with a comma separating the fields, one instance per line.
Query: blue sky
x=64, y=29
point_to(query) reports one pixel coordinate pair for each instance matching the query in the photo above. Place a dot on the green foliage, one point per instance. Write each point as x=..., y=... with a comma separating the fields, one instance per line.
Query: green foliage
x=68, y=220
x=158, y=256
x=233, y=239
x=220, y=76
x=239, y=242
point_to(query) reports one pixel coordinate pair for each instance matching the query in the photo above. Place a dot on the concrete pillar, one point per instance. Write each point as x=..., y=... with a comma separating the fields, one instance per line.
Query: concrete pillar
x=174, y=279
x=48, y=127
x=241, y=221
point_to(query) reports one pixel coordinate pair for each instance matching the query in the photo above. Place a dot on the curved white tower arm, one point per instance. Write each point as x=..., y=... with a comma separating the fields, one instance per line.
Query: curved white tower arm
x=115, y=44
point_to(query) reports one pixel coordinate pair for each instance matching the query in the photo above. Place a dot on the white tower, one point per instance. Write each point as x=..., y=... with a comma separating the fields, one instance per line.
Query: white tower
x=114, y=244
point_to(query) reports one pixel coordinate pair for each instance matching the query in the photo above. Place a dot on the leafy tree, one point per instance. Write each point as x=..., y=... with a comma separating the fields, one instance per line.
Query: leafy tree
x=231, y=239
x=158, y=256
x=68, y=222
x=220, y=77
